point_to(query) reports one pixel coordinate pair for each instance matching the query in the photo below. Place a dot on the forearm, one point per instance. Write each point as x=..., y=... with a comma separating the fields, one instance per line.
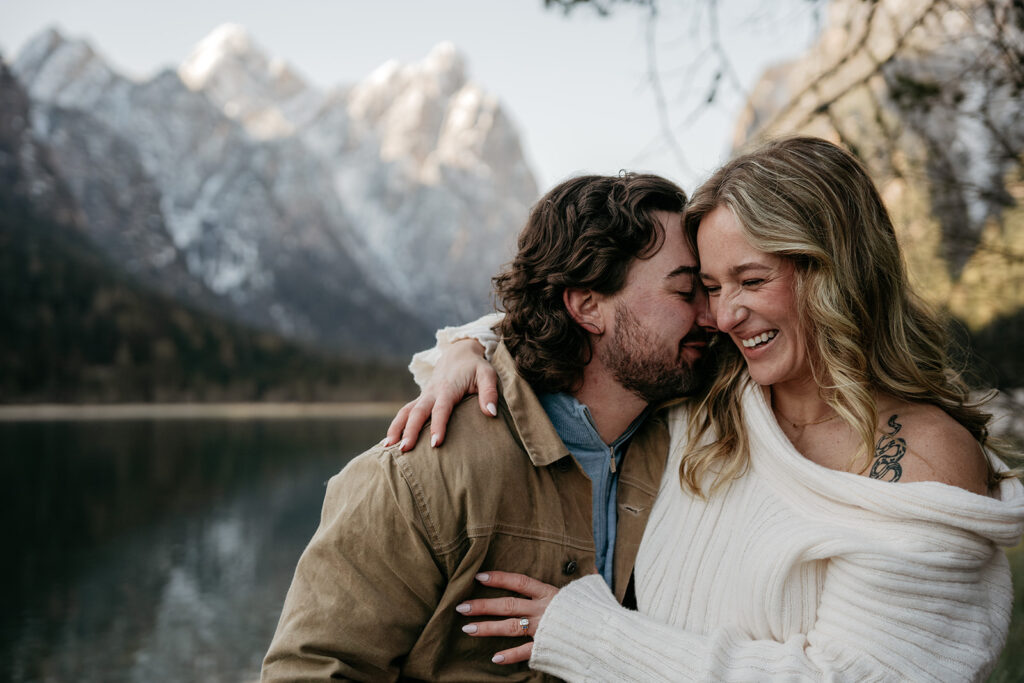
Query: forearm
x=934, y=623
x=586, y=636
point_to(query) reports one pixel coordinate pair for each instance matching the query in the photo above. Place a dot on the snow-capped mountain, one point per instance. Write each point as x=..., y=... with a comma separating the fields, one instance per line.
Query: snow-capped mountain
x=336, y=216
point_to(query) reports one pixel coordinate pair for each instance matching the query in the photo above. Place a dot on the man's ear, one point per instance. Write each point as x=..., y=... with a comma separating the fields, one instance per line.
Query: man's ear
x=583, y=306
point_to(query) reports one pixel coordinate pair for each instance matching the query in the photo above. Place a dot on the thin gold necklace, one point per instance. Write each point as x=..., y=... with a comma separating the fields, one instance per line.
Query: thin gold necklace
x=806, y=424
x=801, y=425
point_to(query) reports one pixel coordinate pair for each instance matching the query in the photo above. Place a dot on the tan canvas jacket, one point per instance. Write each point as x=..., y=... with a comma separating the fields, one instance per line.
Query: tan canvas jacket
x=402, y=535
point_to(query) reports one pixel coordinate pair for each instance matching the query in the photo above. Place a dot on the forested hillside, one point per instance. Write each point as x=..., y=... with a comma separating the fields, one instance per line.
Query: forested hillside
x=74, y=331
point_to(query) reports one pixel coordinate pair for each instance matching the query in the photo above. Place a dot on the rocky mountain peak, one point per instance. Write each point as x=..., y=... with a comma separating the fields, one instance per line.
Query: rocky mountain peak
x=394, y=89
x=62, y=71
x=227, y=46
x=229, y=38
x=235, y=186
x=447, y=66
x=237, y=75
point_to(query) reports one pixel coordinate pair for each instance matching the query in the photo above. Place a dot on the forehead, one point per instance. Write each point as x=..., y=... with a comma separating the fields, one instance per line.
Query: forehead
x=673, y=259
x=719, y=224
x=674, y=248
x=722, y=242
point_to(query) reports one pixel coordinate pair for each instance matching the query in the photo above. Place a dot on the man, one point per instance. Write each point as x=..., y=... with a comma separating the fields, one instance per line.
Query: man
x=601, y=305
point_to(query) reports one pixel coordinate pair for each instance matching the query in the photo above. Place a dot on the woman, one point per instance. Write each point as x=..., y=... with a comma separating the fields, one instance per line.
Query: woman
x=832, y=508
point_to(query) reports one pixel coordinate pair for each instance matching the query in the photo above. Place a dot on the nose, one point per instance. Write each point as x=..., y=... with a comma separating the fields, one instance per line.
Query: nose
x=705, y=316
x=729, y=314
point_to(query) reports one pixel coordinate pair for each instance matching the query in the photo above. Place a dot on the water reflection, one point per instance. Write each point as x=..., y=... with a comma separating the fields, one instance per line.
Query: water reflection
x=157, y=550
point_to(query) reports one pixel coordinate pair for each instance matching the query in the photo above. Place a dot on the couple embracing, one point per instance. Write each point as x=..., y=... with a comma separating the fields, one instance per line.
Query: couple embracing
x=715, y=440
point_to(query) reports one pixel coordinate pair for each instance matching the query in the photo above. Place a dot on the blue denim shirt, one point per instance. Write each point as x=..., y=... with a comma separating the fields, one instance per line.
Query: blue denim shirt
x=601, y=463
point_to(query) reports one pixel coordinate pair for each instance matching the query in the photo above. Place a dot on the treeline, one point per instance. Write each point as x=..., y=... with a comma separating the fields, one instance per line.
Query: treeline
x=72, y=329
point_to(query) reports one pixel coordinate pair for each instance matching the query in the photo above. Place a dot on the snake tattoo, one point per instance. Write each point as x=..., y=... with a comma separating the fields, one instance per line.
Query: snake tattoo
x=888, y=451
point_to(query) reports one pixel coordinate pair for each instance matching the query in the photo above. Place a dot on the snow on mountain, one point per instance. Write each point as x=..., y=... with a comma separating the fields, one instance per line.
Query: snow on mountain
x=427, y=169
x=302, y=210
x=65, y=73
x=263, y=94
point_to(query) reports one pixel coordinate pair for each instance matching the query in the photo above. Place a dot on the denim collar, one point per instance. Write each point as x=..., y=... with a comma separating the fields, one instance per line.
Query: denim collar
x=575, y=425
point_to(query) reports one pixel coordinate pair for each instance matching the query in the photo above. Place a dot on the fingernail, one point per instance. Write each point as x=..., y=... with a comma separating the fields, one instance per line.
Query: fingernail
x=483, y=577
x=498, y=659
x=463, y=608
x=383, y=442
x=401, y=445
x=493, y=410
x=469, y=628
x=433, y=441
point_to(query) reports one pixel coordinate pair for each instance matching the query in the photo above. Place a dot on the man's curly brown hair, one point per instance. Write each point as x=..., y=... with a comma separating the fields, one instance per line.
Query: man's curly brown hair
x=585, y=233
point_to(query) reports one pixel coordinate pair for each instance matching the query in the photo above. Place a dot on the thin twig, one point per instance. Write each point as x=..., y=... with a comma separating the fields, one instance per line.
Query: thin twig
x=878, y=65
x=725, y=64
x=659, y=94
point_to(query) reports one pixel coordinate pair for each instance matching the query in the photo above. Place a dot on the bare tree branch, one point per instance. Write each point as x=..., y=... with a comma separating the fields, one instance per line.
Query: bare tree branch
x=654, y=79
x=725, y=64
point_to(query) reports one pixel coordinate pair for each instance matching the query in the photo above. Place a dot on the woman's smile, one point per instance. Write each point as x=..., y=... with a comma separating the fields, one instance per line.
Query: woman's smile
x=758, y=340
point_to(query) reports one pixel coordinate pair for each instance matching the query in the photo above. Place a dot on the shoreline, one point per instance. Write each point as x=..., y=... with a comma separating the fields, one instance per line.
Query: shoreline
x=43, y=412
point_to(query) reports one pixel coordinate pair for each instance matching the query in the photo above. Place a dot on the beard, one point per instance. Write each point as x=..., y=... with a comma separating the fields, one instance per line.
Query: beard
x=650, y=370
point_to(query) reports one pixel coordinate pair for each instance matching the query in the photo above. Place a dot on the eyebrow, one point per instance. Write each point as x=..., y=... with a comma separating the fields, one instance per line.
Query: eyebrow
x=682, y=270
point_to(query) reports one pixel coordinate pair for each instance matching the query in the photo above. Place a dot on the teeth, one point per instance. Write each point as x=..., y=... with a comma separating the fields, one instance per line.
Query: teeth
x=758, y=339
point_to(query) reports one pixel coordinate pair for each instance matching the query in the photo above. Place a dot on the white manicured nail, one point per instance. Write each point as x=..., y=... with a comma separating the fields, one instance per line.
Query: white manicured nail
x=469, y=628
x=433, y=440
x=492, y=409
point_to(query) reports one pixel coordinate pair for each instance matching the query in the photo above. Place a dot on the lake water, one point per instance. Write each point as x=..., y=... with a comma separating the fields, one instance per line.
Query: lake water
x=161, y=550
x=157, y=549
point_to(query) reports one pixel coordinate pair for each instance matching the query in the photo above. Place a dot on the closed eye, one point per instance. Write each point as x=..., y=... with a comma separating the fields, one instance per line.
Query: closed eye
x=753, y=282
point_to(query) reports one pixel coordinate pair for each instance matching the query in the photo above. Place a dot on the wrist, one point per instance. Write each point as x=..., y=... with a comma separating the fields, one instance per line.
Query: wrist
x=469, y=346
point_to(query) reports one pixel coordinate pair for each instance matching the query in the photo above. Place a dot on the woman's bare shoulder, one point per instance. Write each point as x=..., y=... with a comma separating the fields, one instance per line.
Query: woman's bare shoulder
x=921, y=442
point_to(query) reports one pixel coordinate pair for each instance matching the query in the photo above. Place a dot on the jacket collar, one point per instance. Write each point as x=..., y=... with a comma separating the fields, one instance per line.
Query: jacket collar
x=529, y=420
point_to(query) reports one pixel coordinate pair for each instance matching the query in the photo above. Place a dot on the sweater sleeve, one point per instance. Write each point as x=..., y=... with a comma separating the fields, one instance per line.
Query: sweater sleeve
x=423, y=362
x=922, y=631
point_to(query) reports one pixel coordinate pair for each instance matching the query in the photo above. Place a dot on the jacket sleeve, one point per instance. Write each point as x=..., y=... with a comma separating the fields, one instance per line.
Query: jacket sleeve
x=423, y=363
x=365, y=585
x=926, y=625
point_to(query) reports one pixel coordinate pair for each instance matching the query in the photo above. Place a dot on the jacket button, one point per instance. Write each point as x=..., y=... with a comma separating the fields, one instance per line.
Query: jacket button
x=570, y=568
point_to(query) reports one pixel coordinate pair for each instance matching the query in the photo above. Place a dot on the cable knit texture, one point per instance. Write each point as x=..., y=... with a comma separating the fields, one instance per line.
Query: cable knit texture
x=798, y=572
x=793, y=572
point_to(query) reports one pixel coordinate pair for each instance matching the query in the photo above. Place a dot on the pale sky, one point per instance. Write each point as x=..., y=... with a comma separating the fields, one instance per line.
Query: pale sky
x=576, y=86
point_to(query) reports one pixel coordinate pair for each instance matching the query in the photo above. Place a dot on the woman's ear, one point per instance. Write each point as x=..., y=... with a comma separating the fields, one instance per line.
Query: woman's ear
x=583, y=306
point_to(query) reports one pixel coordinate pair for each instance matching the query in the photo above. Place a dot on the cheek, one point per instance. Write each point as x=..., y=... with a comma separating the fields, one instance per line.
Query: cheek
x=656, y=306
x=689, y=319
x=668, y=318
x=800, y=349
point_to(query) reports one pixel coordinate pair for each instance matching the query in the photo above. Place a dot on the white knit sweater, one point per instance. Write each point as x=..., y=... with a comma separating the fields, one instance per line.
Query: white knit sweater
x=798, y=572
x=793, y=572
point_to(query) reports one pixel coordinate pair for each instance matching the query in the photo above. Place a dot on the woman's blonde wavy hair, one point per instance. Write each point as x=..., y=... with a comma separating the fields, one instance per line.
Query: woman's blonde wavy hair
x=810, y=201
